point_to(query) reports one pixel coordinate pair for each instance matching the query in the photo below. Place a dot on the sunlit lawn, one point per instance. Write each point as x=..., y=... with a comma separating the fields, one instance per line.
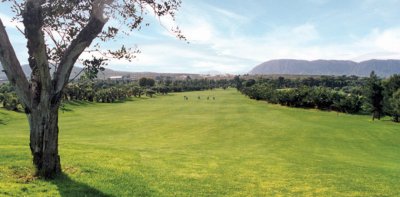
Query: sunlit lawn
x=230, y=146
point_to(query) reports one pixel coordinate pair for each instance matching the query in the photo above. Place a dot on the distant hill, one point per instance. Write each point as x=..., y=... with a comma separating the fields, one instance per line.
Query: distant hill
x=107, y=73
x=383, y=68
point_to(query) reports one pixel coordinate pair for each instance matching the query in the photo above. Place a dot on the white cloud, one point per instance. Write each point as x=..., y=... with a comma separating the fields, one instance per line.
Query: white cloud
x=199, y=31
x=229, y=14
x=282, y=42
x=214, y=50
x=305, y=32
x=389, y=40
x=302, y=42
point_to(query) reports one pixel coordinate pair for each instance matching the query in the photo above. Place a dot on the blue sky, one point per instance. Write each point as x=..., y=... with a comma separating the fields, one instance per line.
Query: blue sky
x=232, y=36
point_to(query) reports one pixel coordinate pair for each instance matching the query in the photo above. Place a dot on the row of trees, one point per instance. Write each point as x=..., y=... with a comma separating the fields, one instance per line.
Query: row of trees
x=344, y=94
x=116, y=91
x=8, y=98
x=306, y=97
x=110, y=91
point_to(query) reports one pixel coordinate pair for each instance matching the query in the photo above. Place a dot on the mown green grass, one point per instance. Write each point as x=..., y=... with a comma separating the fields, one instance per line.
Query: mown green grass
x=231, y=146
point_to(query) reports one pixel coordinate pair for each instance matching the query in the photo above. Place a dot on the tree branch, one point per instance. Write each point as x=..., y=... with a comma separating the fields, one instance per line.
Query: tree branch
x=33, y=22
x=12, y=68
x=79, y=44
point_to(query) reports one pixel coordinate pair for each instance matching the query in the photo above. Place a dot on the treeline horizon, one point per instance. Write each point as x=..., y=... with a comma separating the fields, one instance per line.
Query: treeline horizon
x=347, y=94
x=110, y=91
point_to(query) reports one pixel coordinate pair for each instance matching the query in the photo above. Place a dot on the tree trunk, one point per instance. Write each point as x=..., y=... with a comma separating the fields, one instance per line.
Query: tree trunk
x=43, y=122
x=376, y=115
x=396, y=118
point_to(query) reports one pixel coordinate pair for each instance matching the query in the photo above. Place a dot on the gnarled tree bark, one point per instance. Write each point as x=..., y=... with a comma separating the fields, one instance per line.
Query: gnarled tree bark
x=43, y=122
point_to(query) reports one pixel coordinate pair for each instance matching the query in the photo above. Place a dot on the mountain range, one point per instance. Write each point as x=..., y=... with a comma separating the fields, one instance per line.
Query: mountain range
x=383, y=68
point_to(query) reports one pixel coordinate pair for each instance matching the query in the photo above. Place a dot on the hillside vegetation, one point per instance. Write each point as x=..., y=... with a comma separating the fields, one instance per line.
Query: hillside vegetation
x=230, y=146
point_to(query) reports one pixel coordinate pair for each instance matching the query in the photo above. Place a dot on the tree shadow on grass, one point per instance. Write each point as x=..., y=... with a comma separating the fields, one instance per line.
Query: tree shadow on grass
x=65, y=109
x=68, y=188
x=3, y=119
x=78, y=103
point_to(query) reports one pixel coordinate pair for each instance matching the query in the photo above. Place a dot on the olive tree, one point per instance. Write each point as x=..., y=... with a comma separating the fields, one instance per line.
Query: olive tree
x=374, y=93
x=395, y=103
x=57, y=33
